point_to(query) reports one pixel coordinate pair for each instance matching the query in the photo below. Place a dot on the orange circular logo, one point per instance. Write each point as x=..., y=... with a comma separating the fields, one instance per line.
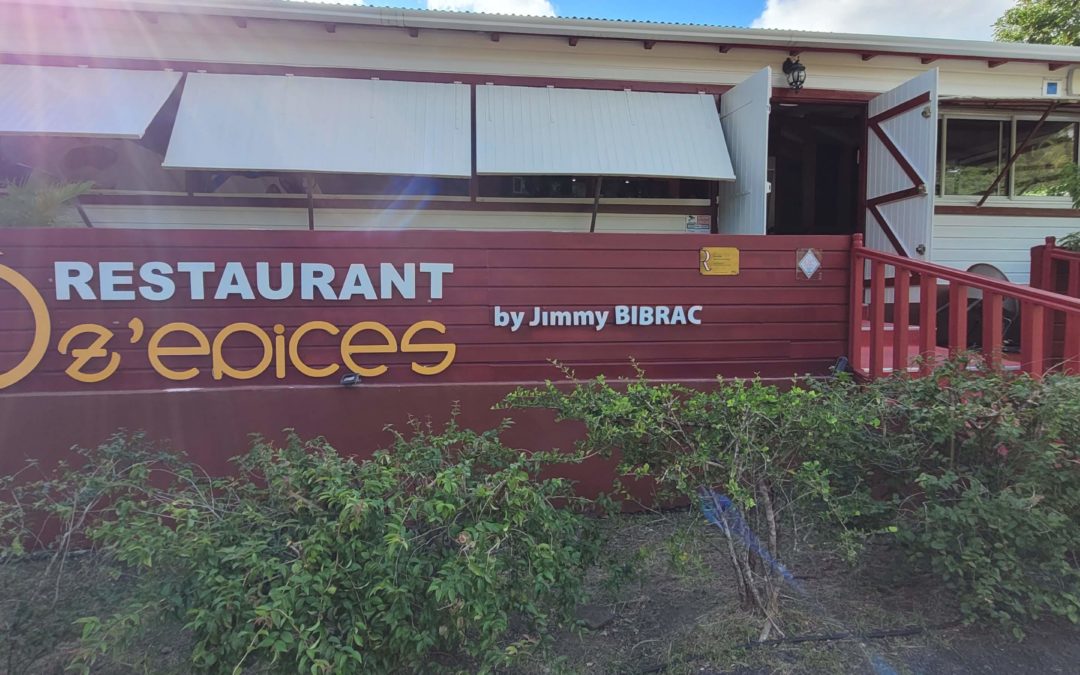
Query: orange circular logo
x=42, y=327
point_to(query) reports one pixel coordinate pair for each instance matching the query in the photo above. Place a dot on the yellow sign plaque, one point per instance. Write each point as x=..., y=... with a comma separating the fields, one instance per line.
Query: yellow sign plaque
x=719, y=261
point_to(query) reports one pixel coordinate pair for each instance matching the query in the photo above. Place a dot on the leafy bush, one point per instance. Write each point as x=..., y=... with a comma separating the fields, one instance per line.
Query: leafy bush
x=1070, y=183
x=1071, y=241
x=973, y=472
x=37, y=202
x=754, y=442
x=986, y=470
x=440, y=551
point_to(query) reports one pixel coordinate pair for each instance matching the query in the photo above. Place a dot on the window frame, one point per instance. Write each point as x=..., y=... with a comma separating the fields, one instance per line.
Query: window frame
x=1010, y=196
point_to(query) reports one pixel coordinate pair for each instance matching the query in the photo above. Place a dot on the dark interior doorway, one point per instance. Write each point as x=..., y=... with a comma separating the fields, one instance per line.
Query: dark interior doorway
x=814, y=153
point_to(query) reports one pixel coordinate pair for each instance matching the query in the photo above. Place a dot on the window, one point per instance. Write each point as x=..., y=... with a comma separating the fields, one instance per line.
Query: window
x=251, y=183
x=583, y=187
x=111, y=164
x=1039, y=167
x=973, y=151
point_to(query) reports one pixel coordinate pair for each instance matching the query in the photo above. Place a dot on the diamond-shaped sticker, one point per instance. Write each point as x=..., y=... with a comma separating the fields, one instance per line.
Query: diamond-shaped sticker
x=809, y=262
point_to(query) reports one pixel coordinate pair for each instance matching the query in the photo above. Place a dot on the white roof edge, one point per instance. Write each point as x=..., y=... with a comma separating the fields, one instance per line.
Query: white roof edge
x=630, y=30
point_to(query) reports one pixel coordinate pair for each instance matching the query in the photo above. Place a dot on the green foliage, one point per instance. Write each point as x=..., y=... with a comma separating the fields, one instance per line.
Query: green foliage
x=1050, y=22
x=732, y=435
x=752, y=441
x=985, y=471
x=1070, y=242
x=973, y=472
x=446, y=549
x=1070, y=183
x=37, y=202
x=42, y=517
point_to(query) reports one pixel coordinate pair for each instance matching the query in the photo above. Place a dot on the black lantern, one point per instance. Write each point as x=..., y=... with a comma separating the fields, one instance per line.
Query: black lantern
x=796, y=73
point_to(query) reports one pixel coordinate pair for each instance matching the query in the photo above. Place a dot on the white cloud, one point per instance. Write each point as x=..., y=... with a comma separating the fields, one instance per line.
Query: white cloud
x=526, y=7
x=960, y=19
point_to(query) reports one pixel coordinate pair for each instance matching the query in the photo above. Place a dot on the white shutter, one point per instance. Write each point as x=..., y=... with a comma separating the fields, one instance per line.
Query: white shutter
x=901, y=164
x=744, y=115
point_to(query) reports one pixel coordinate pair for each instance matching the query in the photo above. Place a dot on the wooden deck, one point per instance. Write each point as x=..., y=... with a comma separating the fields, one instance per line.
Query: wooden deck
x=1009, y=362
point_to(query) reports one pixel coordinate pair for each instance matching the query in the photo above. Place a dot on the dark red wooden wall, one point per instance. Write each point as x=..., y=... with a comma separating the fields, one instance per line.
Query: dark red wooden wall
x=766, y=320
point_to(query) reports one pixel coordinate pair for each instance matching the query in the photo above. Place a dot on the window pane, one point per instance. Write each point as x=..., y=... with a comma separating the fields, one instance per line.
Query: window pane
x=581, y=187
x=974, y=154
x=108, y=163
x=1040, y=166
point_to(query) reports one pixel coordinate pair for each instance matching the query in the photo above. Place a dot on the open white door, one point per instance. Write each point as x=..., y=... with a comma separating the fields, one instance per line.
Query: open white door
x=744, y=115
x=901, y=164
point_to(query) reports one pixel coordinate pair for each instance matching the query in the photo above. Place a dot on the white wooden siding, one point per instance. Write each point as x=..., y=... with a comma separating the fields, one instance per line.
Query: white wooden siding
x=914, y=133
x=239, y=217
x=98, y=102
x=546, y=131
x=332, y=125
x=1002, y=241
x=744, y=114
x=308, y=44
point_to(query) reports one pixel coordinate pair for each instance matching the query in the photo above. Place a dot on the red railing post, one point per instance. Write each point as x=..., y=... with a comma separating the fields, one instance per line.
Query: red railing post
x=1046, y=283
x=855, y=331
x=1070, y=351
x=901, y=319
x=927, y=321
x=992, y=328
x=877, y=318
x=1040, y=260
x=958, y=301
x=1032, y=324
x=1036, y=306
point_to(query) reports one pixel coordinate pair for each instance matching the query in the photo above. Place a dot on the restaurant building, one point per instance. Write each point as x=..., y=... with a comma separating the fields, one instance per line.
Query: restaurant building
x=289, y=115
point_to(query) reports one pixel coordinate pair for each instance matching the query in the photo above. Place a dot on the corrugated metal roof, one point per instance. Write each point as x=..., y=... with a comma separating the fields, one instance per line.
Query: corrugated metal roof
x=584, y=27
x=274, y=123
x=539, y=131
x=45, y=100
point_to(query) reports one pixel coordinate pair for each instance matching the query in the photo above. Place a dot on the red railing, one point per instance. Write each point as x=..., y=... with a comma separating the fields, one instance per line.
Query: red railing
x=1057, y=270
x=915, y=288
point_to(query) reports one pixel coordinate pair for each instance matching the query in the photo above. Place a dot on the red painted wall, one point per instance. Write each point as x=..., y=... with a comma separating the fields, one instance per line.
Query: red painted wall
x=766, y=320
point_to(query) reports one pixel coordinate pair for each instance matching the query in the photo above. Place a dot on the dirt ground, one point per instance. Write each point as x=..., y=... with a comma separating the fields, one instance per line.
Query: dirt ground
x=681, y=615
x=662, y=603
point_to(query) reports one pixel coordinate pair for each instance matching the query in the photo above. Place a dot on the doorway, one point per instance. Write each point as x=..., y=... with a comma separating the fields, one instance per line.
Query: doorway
x=814, y=151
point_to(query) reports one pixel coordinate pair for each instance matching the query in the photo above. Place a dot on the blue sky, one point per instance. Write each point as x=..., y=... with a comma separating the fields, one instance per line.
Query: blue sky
x=719, y=12
x=958, y=19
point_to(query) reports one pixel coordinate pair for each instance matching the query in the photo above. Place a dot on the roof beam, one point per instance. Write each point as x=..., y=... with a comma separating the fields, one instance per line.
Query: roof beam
x=1056, y=66
x=994, y=63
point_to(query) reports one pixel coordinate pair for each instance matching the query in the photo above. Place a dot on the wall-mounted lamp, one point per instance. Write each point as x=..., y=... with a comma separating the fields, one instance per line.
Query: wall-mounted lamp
x=796, y=73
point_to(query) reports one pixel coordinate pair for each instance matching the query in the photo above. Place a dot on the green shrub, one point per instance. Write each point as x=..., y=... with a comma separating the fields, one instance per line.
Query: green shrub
x=972, y=472
x=37, y=202
x=754, y=443
x=985, y=467
x=1071, y=241
x=447, y=549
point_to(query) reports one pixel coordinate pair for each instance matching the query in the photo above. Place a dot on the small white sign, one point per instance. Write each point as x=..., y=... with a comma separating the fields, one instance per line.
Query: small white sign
x=699, y=224
x=810, y=263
